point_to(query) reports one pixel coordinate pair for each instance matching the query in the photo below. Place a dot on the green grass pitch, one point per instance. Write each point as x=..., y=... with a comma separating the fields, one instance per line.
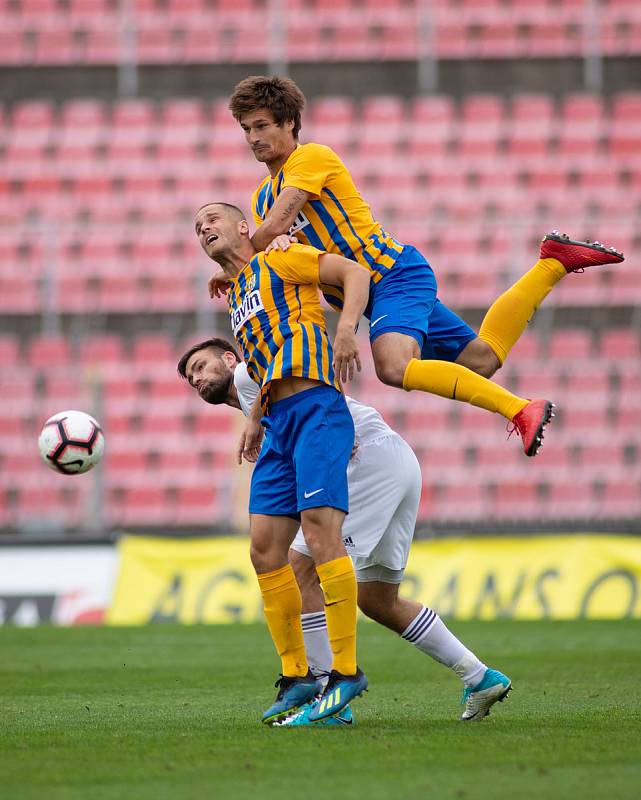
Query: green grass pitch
x=174, y=712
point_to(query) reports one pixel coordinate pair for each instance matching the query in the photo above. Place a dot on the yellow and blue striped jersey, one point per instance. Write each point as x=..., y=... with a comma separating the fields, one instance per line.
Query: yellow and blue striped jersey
x=335, y=218
x=277, y=319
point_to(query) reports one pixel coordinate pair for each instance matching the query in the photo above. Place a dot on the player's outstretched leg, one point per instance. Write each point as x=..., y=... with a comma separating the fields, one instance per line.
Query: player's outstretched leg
x=479, y=699
x=576, y=255
x=483, y=686
x=528, y=417
x=508, y=316
x=423, y=628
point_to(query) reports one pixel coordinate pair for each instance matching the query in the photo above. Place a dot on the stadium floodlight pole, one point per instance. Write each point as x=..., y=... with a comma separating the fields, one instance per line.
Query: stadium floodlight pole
x=50, y=317
x=94, y=520
x=277, y=38
x=127, y=60
x=592, y=53
x=427, y=64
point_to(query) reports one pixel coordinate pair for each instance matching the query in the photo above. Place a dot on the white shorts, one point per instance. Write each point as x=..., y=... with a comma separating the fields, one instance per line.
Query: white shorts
x=385, y=483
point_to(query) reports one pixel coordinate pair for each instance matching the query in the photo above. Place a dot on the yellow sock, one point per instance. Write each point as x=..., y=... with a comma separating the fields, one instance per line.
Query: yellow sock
x=338, y=582
x=460, y=383
x=283, y=607
x=508, y=316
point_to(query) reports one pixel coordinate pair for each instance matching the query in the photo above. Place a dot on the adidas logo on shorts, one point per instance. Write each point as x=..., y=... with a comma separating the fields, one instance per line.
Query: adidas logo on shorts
x=348, y=541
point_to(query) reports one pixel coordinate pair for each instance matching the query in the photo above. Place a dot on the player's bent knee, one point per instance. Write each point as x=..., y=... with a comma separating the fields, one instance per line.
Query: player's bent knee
x=371, y=605
x=480, y=358
x=390, y=372
x=304, y=569
x=265, y=556
x=375, y=611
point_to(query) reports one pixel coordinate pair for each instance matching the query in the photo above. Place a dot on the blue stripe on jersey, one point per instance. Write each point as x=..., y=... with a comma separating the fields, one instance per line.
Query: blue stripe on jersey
x=385, y=249
x=279, y=185
x=260, y=201
x=306, y=357
x=286, y=349
x=312, y=237
x=335, y=302
x=336, y=297
x=332, y=229
x=339, y=206
x=269, y=199
x=278, y=292
x=319, y=354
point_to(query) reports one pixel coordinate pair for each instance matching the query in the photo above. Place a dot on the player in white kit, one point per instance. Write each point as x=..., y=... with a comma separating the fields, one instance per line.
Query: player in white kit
x=384, y=479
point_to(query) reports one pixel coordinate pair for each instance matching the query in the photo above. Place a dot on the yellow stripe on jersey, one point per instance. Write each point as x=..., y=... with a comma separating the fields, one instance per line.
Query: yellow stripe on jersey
x=335, y=218
x=277, y=319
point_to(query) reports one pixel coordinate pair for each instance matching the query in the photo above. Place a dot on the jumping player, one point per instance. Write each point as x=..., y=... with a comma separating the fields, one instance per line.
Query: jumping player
x=384, y=491
x=301, y=473
x=417, y=342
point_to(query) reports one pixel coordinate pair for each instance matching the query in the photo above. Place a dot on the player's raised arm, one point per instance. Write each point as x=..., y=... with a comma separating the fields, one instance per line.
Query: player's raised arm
x=281, y=216
x=355, y=280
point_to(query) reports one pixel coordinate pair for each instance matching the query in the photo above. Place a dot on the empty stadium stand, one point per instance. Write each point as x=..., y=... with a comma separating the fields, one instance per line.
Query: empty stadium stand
x=97, y=32
x=103, y=285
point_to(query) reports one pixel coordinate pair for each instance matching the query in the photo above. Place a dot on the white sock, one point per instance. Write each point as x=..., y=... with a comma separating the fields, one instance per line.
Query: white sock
x=319, y=652
x=428, y=632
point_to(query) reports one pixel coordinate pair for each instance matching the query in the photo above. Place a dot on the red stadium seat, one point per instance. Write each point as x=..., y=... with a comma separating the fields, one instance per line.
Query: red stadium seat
x=153, y=348
x=49, y=353
x=621, y=500
x=102, y=46
x=515, y=501
x=570, y=344
x=9, y=351
x=618, y=343
x=141, y=507
x=49, y=506
x=101, y=350
x=566, y=501
x=459, y=503
x=333, y=110
x=198, y=506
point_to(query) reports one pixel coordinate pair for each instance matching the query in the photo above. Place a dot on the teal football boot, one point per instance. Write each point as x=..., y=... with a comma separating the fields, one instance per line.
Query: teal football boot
x=293, y=693
x=478, y=700
x=344, y=717
x=340, y=690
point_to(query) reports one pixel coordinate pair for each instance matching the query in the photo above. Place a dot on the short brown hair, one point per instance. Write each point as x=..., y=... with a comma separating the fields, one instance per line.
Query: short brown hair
x=238, y=211
x=216, y=343
x=280, y=96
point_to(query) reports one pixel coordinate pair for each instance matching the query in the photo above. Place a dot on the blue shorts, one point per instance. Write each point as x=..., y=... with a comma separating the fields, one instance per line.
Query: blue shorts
x=304, y=458
x=405, y=301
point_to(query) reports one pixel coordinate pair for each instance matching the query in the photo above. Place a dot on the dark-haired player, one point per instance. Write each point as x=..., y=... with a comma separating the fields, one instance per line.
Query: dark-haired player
x=384, y=480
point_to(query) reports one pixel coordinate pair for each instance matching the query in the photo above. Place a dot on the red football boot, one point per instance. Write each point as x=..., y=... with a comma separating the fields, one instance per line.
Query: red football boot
x=530, y=422
x=576, y=256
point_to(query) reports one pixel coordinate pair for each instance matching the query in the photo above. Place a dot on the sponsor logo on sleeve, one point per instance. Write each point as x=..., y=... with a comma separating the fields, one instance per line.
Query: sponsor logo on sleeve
x=299, y=223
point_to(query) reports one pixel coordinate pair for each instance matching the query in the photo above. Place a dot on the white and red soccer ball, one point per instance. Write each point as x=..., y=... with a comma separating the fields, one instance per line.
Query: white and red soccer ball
x=71, y=442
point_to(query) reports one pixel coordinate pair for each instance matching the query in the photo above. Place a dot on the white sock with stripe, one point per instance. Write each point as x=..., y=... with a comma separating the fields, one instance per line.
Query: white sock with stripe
x=428, y=632
x=317, y=647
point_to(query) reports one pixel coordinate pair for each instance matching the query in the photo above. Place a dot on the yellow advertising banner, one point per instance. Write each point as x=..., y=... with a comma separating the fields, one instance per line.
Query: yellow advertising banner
x=553, y=577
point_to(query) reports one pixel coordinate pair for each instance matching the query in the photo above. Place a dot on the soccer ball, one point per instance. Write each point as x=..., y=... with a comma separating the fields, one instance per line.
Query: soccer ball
x=71, y=442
